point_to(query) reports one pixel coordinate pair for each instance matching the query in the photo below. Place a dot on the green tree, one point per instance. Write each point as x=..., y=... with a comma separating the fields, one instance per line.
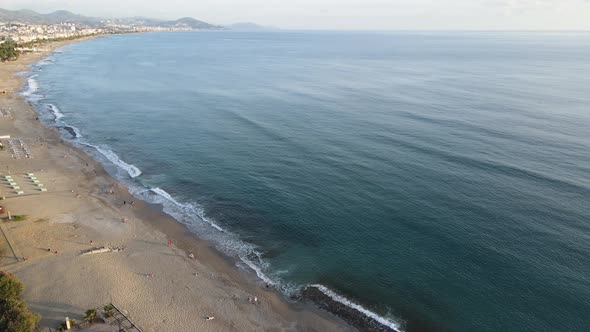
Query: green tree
x=8, y=51
x=10, y=286
x=14, y=315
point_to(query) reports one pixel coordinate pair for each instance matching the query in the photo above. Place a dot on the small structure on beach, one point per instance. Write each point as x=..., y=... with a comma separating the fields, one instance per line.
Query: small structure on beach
x=115, y=317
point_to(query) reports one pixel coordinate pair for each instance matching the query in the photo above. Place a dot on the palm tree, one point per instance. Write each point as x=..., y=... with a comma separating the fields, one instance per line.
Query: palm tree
x=90, y=315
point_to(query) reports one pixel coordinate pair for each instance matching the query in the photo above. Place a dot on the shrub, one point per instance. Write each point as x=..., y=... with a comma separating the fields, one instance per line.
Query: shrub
x=10, y=286
x=14, y=316
x=90, y=315
x=108, y=310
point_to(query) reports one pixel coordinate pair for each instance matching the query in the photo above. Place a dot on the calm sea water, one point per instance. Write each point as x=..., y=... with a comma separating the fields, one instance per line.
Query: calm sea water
x=439, y=180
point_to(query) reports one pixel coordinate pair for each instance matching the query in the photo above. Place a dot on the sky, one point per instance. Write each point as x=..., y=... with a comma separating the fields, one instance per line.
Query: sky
x=343, y=14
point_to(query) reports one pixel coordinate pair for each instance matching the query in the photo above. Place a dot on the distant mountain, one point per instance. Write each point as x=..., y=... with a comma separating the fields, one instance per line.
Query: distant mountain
x=190, y=22
x=66, y=16
x=185, y=22
x=247, y=26
x=31, y=17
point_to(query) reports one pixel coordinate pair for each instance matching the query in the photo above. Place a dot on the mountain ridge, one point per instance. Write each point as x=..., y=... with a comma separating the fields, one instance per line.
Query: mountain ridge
x=64, y=16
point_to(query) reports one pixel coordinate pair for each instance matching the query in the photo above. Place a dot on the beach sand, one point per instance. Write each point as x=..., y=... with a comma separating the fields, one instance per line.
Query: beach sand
x=153, y=283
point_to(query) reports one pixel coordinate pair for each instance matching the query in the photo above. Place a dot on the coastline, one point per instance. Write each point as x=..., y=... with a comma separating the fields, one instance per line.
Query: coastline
x=155, y=284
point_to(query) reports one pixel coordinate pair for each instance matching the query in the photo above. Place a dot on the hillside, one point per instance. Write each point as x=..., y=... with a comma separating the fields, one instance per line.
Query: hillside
x=32, y=17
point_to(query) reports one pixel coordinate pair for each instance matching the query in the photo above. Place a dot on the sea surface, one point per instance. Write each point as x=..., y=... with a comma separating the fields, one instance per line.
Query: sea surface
x=439, y=180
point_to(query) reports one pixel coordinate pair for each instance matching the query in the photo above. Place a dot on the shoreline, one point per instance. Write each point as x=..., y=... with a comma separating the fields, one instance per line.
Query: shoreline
x=151, y=219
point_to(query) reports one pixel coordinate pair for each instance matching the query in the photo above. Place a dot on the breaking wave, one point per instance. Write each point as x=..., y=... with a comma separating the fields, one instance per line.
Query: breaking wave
x=31, y=86
x=57, y=114
x=131, y=170
x=341, y=299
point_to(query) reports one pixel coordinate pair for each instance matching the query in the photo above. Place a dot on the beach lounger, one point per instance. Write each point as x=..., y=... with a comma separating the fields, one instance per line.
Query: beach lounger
x=43, y=189
x=16, y=187
x=20, y=192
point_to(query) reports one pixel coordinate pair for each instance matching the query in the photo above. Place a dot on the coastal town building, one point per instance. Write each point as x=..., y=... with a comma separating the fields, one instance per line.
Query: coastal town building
x=23, y=32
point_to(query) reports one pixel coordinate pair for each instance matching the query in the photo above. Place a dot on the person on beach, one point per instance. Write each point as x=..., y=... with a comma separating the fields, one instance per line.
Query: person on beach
x=169, y=243
x=191, y=256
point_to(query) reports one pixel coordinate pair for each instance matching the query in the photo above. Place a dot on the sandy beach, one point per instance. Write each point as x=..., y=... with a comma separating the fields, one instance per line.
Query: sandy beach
x=159, y=286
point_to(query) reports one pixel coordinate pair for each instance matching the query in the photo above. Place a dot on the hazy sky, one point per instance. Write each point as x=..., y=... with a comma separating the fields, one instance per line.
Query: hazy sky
x=344, y=14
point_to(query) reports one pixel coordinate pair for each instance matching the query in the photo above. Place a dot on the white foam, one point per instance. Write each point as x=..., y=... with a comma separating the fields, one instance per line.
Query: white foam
x=44, y=61
x=57, y=114
x=164, y=194
x=31, y=87
x=256, y=268
x=338, y=298
x=195, y=209
x=131, y=170
x=77, y=132
x=194, y=217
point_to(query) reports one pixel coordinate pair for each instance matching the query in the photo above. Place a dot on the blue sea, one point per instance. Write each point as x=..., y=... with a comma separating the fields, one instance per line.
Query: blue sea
x=440, y=181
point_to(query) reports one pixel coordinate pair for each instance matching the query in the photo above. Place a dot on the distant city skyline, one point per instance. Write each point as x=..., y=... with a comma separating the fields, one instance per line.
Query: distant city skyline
x=343, y=14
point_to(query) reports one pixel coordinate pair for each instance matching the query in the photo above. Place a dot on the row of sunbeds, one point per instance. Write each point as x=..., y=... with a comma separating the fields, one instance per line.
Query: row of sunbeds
x=29, y=176
x=13, y=184
x=36, y=182
x=16, y=145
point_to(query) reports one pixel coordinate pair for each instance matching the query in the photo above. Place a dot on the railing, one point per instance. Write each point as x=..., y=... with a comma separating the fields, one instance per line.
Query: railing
x=116, y=317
